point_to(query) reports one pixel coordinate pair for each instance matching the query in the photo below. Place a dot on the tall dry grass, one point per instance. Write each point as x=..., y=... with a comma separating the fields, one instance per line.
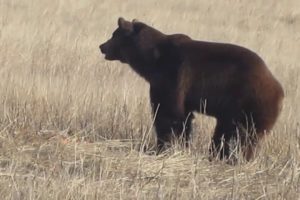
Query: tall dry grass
x=73, y=126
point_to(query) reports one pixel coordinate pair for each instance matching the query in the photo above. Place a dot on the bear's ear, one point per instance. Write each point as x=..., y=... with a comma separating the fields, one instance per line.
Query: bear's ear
x=135, y=21
x=125, y=25
x=137, y=26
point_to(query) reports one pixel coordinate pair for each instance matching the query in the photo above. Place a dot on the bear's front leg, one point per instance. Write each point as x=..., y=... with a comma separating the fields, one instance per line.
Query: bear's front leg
x=165, y=130
x=170, y=127
x=169, y=117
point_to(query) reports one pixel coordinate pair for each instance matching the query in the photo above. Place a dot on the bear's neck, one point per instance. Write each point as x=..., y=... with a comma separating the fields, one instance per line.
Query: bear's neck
x=148, y=72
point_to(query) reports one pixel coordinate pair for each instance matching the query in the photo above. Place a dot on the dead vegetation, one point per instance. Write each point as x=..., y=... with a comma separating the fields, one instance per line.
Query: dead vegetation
x=73, y=126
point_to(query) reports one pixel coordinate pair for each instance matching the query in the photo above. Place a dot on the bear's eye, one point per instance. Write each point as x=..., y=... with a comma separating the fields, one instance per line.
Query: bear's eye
x=117, y=33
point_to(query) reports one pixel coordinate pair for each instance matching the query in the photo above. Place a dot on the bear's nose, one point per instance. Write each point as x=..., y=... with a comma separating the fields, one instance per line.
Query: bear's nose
x=102, y=48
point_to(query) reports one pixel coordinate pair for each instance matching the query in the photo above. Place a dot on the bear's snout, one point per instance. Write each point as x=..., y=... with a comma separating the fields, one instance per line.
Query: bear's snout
x=106, y=49
x=102, y=48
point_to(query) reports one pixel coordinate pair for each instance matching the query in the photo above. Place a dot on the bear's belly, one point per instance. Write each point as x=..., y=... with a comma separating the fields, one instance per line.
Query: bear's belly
x=212, y=105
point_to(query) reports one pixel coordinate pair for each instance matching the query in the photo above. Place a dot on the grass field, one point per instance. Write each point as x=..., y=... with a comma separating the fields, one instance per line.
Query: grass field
x=73, y=126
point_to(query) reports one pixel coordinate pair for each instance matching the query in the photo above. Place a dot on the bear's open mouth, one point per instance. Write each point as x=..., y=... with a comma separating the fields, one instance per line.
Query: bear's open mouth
x=107, y=57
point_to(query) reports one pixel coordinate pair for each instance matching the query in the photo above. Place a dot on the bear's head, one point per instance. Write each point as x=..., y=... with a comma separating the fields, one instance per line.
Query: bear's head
x=148, y=51
x=132, y=43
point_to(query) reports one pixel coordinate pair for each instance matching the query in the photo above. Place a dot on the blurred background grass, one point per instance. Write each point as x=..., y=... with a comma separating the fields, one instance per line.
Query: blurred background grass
x=72, y=124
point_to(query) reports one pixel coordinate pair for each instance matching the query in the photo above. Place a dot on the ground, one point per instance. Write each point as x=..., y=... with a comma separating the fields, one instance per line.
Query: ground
x=74, y=126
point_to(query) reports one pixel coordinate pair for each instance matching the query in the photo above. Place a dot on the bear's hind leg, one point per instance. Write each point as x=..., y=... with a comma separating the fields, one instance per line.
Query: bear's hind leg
x=221, y=138
x=184, y=128
x=249, y=141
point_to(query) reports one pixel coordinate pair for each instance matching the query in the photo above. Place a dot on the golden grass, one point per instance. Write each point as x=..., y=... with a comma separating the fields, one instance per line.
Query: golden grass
x=73, y=125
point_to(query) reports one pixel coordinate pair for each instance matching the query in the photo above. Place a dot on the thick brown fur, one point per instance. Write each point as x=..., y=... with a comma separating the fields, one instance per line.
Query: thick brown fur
x=226, y=81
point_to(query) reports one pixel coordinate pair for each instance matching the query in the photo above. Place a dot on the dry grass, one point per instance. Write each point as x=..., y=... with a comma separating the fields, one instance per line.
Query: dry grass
x=72, y=124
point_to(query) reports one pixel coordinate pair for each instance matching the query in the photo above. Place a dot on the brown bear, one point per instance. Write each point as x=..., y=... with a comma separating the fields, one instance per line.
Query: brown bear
x=226, y=81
